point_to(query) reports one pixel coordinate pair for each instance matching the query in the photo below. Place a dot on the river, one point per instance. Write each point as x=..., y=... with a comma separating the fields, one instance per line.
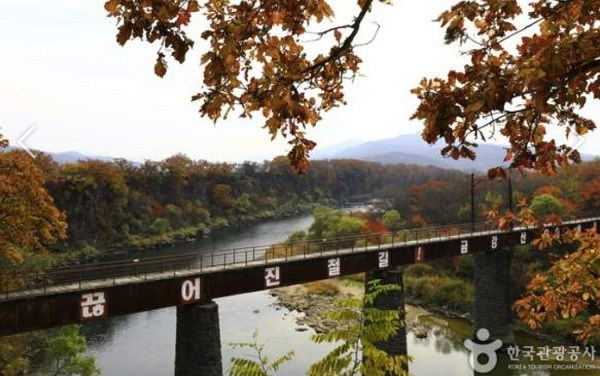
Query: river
x=144, y=343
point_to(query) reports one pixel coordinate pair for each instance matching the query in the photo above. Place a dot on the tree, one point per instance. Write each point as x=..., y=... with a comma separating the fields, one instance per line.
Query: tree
x=521, y=91
x=545, y=205
x=569, y=289
x=65, y=352
x=262, y=366
x=392, y=220
x=13, y=355
x=258, y=61
x=590, y=194
x=357, y=352
x=329, y=223
x=29, y=220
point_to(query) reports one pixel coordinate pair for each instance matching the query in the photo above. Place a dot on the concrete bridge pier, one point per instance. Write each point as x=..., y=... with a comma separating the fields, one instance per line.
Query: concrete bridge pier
x=388, y=301
x=492, y=306
x=198, y=342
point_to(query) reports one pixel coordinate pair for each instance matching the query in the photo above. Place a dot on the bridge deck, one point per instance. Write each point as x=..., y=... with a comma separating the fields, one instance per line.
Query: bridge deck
x=258, y=260
x=90, y=291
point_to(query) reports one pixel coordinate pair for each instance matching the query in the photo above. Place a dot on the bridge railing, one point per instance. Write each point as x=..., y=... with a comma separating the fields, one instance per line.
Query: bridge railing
x=143, y=268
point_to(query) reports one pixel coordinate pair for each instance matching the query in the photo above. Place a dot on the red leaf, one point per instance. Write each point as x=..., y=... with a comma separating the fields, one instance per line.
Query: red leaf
x=183, y=18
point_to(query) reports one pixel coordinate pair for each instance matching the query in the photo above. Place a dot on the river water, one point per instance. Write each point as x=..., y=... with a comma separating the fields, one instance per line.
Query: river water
x=144, y=343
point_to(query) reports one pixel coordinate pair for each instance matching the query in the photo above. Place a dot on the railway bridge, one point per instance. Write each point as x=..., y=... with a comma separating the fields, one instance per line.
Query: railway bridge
x=75, y=294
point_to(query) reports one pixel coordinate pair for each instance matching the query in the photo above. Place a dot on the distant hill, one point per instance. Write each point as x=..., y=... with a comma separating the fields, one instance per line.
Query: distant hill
x=411, y=149
x=69, y=156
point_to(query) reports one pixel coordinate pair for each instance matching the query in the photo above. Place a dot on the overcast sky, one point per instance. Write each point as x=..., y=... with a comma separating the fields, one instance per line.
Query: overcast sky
x=62, y=71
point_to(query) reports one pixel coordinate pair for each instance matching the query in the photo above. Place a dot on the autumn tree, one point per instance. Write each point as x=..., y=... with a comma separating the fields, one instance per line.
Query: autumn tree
x=530, y=70
x=520, y=88
x=29, y=223
x=569, y=290
x=590, y=195
x=94, y=194
x=260, y=60
x=29, y=220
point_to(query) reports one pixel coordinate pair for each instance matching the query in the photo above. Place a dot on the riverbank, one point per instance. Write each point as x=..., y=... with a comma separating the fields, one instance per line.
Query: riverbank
x=315, y=300
x=188, y=238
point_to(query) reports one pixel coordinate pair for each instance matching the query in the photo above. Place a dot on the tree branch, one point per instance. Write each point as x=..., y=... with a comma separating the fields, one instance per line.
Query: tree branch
x=593, y=64
x=336, y=52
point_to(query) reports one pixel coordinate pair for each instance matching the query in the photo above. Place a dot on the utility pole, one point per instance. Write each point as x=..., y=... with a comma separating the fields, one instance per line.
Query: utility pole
x=472, y=202
x=510, y=194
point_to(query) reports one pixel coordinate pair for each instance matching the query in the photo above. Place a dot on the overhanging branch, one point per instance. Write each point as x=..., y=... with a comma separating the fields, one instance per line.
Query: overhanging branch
x=336, y=52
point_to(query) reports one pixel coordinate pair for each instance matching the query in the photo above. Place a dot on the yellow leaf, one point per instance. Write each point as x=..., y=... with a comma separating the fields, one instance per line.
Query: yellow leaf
x=586, y=296
x=474, y=107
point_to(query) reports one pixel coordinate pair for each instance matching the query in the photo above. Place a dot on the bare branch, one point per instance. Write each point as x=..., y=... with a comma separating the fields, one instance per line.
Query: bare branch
x=372, y=38
x=336, y=52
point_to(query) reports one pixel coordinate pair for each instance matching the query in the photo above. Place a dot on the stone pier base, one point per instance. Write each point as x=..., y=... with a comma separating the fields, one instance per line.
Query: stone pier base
x=198, y=343
x=492, y=306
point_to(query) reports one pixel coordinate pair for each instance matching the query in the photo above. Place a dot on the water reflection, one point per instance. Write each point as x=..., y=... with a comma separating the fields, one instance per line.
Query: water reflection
x=443, y=352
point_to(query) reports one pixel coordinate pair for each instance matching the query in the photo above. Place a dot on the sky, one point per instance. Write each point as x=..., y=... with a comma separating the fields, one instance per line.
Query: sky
x=62, y=71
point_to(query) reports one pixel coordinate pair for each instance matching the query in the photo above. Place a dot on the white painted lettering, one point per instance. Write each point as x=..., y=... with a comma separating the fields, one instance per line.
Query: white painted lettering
x=464, y=246
x=272, y=276
x=494, y=242
x=383, y=259
x=333, y=267
x=190, y=290
x=93, y=305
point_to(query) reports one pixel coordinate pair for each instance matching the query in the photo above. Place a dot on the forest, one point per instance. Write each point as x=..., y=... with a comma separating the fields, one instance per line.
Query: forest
x=122, y=205
x=80, y=209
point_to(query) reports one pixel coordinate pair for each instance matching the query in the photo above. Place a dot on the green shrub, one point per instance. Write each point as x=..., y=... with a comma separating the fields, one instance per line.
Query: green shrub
x=440, y=291
x=419, y=270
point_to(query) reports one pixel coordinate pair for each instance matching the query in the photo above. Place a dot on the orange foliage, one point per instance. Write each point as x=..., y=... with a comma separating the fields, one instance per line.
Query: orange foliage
x=590, y=193
x=418, y=221
x=256, y=60
x=551, y=190
x=570, y=287
x=540, y=84
x=372, y=227
x=29, y=220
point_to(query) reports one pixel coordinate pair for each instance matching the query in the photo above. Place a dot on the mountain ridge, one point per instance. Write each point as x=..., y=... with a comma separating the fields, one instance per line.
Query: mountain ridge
x=412, y=149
